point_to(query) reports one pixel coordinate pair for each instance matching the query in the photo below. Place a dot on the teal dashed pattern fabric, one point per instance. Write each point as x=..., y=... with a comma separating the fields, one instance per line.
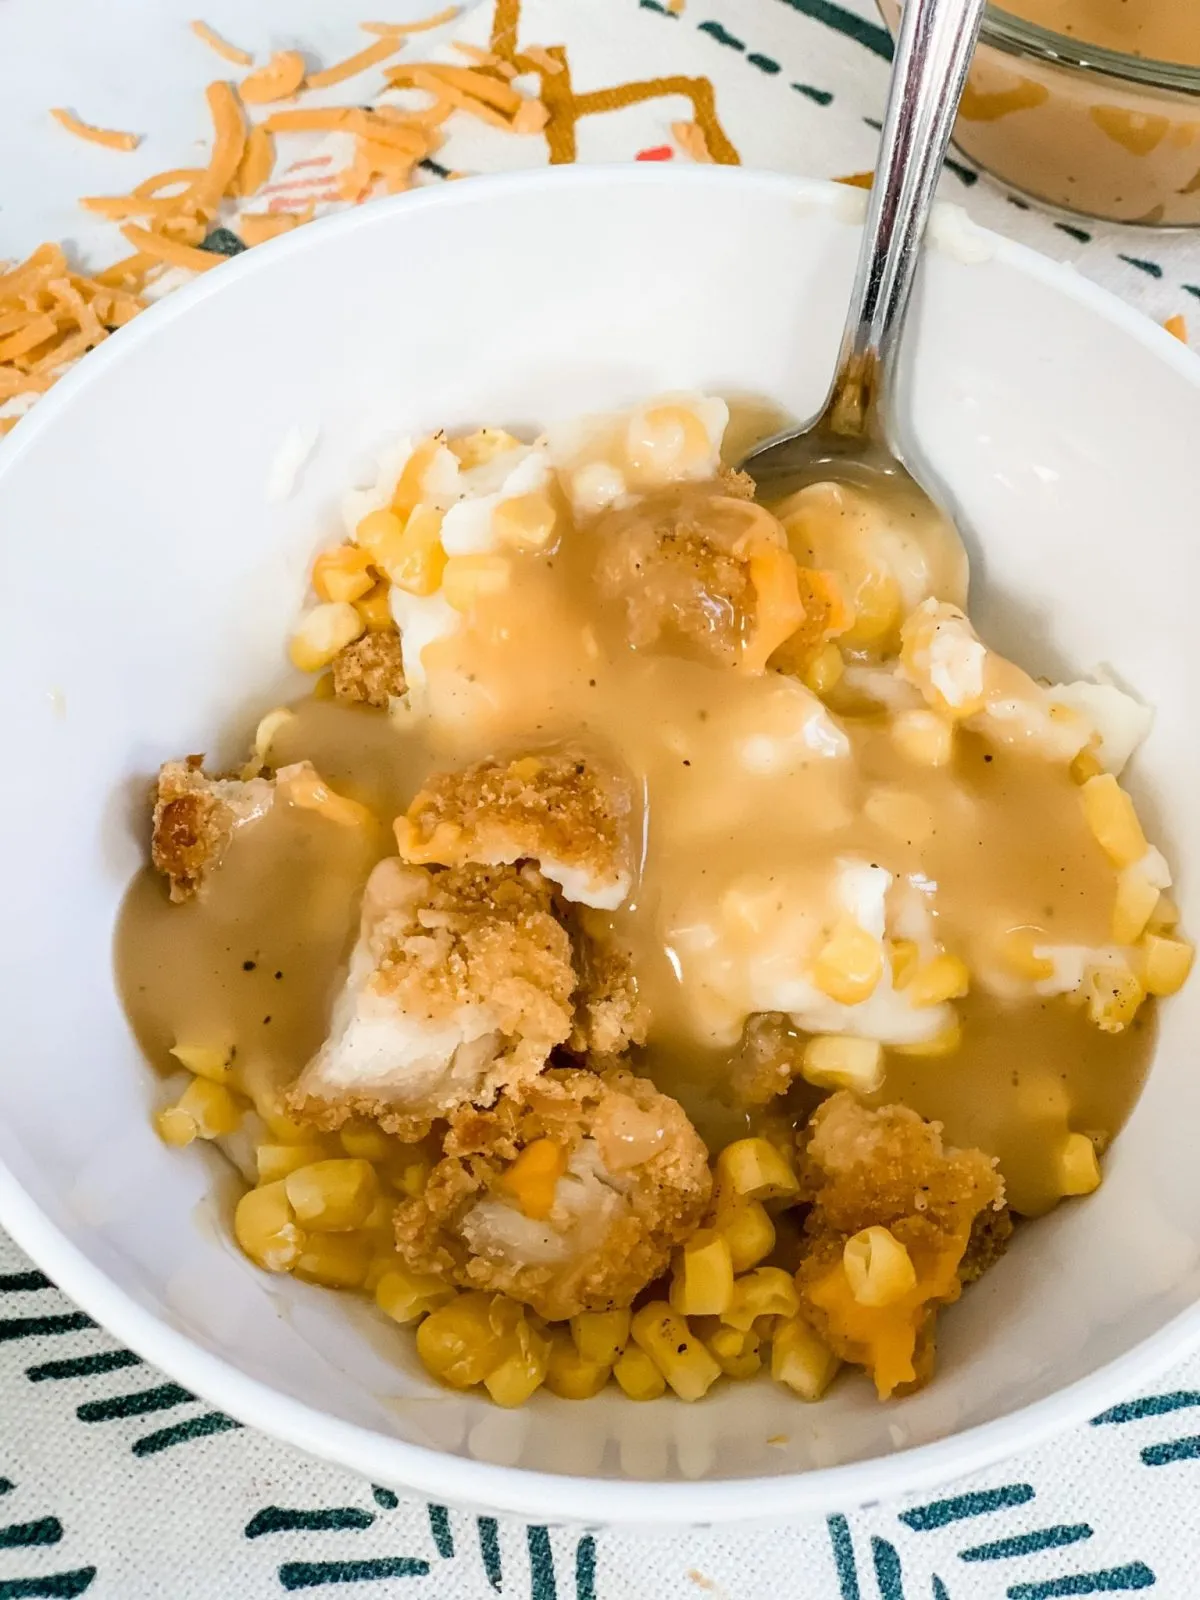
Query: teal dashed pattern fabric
x=118, y=1484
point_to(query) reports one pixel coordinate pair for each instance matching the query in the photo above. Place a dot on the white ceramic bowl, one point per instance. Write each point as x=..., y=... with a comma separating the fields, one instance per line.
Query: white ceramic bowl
x=148, y=586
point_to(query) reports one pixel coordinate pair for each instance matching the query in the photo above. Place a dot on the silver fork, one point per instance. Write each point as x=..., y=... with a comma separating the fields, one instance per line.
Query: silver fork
x=852, y=437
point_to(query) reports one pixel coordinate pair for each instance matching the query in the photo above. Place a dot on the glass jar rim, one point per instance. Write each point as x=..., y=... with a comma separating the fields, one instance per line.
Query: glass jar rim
x=1016, y=37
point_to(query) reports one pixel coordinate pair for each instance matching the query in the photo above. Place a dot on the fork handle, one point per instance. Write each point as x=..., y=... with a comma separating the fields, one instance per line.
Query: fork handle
x=933, y=51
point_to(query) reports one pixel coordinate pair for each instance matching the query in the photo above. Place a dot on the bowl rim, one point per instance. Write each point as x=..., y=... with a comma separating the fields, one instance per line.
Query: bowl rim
x=1029, y=41
x=538, y=1495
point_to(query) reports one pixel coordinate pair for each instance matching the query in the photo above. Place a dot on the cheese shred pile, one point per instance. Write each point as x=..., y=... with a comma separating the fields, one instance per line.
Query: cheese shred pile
x=191, y=218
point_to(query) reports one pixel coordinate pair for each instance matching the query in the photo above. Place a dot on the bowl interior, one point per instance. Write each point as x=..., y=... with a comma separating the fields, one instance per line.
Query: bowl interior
x=148, y=585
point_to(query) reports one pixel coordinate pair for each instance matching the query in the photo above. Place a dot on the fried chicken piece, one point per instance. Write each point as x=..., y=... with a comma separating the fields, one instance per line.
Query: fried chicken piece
x=559, y=810
x=569, y=1195
x=195, y=817
x=370, y=670
x=736, y=484
x=889, y=1168
x=459, y=986
x=610, y=1014
x=701, y=573
x=768, y=1059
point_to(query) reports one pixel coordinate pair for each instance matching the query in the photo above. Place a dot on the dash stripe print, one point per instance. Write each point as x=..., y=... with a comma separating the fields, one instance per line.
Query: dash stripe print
x=119, y=1482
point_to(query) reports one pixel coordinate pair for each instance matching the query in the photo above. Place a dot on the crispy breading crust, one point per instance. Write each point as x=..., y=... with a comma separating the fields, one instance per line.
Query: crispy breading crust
x=453, y=937
x=889, y=1167
x=670, y=560
x=194, y=820
x=768, y=1059
x=666, y=1200
x=610, y=1014
x=370, y=670
x=559, y=808
x=736, y=484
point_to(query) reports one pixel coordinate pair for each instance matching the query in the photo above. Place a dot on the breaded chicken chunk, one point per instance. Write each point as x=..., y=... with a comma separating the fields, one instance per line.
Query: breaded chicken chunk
x=610, y=1014
x=459, y=986
x=569, y=1195
x=370, y=670
x=559, y=810
x=767, y=1061
x=195, y=818
x=889, y=1169
x=671, y=560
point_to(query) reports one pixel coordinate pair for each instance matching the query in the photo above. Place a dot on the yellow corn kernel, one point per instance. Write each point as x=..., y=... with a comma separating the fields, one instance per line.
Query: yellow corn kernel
x=270, y=1101
x=667, y=442
x=381, y=1219
x=211, y=1109
x=702, y=1282
x=265, y=1227
x=526, y=522
x=522, y=1372
x=747, y=1230
x=1017, y=951
x=681, y=1358
x=1078, y=1168
x=269, y=725
x=333, y=1196
x=1113, y=996
x=303, y=786
x=637, y=1374
x=1133, y=907
x=756, y=1170
x=1165, y=963
x=343, y=573
x=765, y=1292
x=737, y=1353
x=849, y=964
x=824, y=670
x=405, y=1296
x=840, y=1061
x=903, y=956
x=943, y=1043
x=944, y=978
x=375, y=609
x=410, y=486
x=878, y=1267
x=410, y=1174
x=923, y=737
x=457, y=1342
x=334, y=1260
x=1165, y=916
x=276, y=1161
x=1087, y=764
x=384, y=1260
x=469, y=579
x=532, y=1180
x=324, y=631
x=801, y=1361
x=174, y=1127
x=600, y=1336
x=570, y=1375
x=379, y=533
x=365, y=1141
x=1112, y=819
x=206, y=1061
x=416, y=561
x=485, y=444
x=900, y=814
x=877, y=607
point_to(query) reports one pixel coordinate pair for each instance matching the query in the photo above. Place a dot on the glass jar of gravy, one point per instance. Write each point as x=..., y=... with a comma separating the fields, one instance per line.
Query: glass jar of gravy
x=1091, y=105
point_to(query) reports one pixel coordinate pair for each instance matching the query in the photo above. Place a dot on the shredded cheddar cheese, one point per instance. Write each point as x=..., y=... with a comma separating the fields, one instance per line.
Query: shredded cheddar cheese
x=229, y=52
x=692, y=141
x=1177, y=325
x=257, y=162
x=424, y=26
x=172, y=251
x=353, y=65
x=110, y=138
x=281, y=77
